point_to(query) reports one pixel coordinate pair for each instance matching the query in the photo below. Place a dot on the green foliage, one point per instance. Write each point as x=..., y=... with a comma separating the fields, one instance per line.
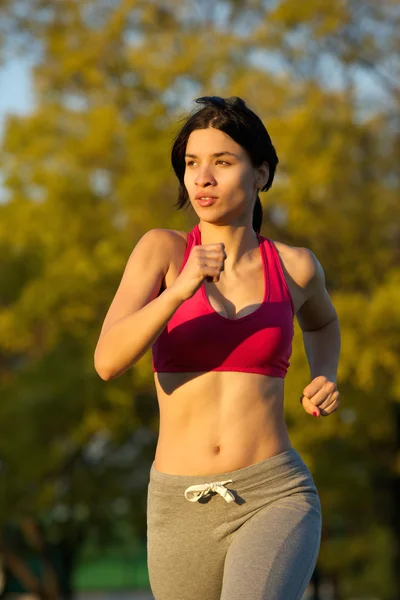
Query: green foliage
x=88, y=172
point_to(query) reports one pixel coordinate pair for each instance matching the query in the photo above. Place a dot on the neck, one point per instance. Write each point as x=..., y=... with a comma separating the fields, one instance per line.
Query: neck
x=239, y=241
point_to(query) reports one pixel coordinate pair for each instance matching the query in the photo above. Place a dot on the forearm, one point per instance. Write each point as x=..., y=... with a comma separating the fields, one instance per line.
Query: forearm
x=125, y=342
x=323, y=350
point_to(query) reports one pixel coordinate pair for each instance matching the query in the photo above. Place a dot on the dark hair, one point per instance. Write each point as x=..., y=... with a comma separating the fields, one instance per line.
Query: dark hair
x=233, y=117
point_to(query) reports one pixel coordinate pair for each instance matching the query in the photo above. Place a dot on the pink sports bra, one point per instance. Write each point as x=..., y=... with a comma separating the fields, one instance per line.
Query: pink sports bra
x=198, y=339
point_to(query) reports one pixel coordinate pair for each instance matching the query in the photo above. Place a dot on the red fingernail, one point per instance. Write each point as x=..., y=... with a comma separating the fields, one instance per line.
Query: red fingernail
x=315, y=414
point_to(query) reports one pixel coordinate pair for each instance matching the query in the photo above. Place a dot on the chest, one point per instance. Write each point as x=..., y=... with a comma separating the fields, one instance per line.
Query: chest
x=237, y=295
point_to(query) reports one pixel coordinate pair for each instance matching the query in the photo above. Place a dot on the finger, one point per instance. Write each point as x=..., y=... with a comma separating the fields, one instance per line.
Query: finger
x=219, y=260
x=217, y=245
x=209, y=261
x=212, y=272
x=331, y=399
x=212, y=248
x=205, y=252
x=212, y=268
x=322, y=394
x=330, y=405
x=309, y=407
x=317, y=411
x=331, y=409
x=214, y=254
x=316, y=385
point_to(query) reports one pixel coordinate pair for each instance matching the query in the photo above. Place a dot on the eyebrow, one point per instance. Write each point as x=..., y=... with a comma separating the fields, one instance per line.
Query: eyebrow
x=215, y=155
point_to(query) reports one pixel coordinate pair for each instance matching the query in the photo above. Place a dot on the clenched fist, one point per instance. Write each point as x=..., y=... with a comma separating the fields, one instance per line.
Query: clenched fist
x=320, y=397
x=204, y=262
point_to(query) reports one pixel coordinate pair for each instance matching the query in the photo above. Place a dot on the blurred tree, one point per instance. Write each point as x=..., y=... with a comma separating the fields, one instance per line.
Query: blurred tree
x=88, y=172
x=28, y=560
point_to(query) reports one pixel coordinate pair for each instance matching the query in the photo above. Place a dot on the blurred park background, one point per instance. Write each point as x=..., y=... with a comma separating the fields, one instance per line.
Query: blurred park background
x=85, y=171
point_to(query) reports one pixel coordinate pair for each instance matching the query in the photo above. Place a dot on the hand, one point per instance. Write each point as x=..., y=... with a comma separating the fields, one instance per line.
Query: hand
x=205, y=262
x=320, y=397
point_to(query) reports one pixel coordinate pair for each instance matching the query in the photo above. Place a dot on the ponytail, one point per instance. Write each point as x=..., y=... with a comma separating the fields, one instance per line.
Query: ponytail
x=257, y=215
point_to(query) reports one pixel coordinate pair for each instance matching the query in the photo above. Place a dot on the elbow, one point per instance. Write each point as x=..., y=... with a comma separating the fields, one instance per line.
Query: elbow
x=102, y=369
x=107, y=369
x=104, y=374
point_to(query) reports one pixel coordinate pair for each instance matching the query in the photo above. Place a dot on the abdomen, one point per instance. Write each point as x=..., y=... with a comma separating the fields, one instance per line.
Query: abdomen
x=218, y=421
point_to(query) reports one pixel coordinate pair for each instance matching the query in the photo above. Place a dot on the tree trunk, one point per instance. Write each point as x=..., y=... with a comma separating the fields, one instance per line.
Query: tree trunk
x=395, y=513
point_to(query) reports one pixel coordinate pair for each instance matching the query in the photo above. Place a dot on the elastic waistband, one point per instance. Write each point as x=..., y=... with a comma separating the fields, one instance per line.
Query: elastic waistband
x=246, y=476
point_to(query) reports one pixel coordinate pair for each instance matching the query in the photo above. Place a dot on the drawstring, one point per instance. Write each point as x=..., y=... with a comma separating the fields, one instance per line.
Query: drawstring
x=198, y=491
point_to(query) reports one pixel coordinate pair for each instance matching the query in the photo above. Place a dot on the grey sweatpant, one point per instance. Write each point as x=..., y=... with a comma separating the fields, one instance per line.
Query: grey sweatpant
x=249, y=534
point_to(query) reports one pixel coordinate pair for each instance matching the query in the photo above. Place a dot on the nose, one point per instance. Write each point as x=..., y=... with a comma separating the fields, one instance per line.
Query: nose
x=205, y=177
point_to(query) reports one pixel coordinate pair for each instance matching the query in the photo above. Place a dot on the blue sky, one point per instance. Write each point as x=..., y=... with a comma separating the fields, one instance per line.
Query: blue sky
x=16, y=95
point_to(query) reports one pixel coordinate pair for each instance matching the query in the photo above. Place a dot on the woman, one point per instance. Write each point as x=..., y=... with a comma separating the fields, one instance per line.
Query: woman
x=233, y=512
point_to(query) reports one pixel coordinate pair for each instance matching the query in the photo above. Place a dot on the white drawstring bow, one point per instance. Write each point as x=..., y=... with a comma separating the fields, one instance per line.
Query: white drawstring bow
x=198, y=491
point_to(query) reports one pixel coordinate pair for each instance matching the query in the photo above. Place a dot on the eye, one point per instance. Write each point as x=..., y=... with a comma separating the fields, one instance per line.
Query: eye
x=191, y=162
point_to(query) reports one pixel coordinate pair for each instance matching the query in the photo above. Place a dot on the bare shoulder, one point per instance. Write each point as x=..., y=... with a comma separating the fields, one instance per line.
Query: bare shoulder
x=300, y=263
x=165, y=238
x=307, y=283
x=178, y=236
x=175, y=239
x=170, y=246
x=178, y=243
x=165, y=234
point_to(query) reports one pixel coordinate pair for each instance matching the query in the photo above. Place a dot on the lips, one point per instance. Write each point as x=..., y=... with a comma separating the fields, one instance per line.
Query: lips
x=205, y=195
x=207, y=201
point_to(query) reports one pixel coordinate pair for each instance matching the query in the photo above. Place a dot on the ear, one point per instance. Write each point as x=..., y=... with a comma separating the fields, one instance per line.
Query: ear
x=262, y=175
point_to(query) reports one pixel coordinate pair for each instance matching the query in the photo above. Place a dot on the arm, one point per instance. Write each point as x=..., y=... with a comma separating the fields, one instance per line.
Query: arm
x=137, y=316
x=319, y=323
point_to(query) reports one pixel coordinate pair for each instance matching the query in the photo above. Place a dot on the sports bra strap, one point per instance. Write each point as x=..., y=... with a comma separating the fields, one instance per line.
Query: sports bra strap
x=191, y=241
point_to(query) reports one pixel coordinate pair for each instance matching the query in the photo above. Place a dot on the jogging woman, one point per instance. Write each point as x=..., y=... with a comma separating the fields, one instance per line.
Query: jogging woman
x=233, y=512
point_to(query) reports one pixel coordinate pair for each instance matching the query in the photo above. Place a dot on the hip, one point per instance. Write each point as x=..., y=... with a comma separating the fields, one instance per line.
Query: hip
x=219, y=504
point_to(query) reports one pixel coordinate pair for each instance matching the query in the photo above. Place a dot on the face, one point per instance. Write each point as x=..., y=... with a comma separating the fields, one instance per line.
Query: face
x=228, y=176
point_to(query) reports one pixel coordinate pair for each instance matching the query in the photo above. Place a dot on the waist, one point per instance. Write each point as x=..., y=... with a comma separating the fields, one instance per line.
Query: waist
x=215, y=421
x=288, y=462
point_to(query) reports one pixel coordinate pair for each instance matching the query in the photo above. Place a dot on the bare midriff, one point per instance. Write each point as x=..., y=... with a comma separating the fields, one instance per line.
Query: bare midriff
x=221, y=420
x=218, y=421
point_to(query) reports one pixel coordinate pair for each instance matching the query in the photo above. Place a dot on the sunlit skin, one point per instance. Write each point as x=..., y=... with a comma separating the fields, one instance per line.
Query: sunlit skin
x=234, y=180
x=221, y=421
